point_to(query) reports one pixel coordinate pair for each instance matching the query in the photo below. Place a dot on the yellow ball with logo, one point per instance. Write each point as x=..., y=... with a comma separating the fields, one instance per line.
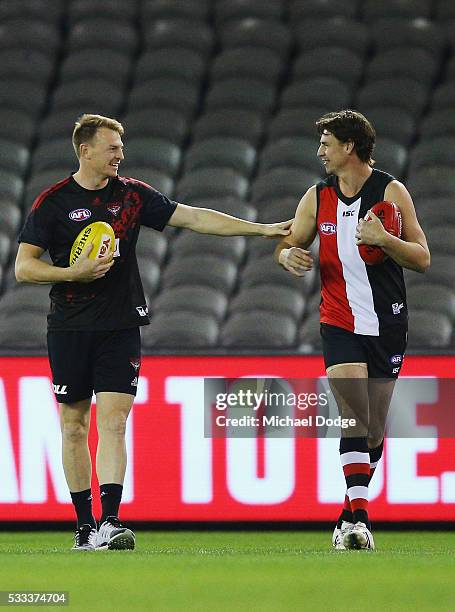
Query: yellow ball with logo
x=100, y=234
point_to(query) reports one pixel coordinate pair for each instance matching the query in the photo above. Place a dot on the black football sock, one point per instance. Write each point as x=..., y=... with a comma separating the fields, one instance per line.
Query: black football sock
x=82, y=501
x=111, y=496
x=375, y=457
x=346, y=513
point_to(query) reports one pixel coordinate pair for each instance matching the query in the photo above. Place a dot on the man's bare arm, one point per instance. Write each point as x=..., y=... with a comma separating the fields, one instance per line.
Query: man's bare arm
x=292, y=251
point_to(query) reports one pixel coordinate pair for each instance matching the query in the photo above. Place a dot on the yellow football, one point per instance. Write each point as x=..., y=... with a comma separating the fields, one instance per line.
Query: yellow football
x=100, y=234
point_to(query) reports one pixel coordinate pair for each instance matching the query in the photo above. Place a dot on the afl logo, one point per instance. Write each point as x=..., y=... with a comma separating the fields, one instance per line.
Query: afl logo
x=81, y=214
x=327, y=228
x=395, y=359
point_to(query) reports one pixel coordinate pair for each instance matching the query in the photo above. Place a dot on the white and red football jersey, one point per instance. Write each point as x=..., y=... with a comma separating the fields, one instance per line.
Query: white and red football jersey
x=357, y=297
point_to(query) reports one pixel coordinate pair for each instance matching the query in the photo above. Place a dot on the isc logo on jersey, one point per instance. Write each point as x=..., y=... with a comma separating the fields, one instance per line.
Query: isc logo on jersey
x=327, y=228
x=100, y=234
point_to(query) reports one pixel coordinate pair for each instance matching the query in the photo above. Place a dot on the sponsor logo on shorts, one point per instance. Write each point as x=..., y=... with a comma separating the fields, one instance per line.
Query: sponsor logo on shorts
x=396, y=359
x=60, y=389
x=80, y=214
x=134, y=382
x=136, y=363
x=396, y=308
x=327, y=228
x=395, y=370
x=142, y=310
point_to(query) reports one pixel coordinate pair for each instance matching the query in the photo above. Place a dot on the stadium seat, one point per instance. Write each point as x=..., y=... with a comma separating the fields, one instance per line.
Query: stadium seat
x=36, y=184
x=35, y=34
x=310, y=335
x=197, y=10
x=231, y=206
x=291, y=153
x=286, y=301
x=443, y=97
x=432, y=181
x=41, y=10
x=257, y=32
x=158, y=122
x=171, y=33
x=200, y=299
x=316, y=33
x=163, y=155
x=100, y=95
x=201, y=269
x=373, y=10
x=87, y=63
x=23, y=332
x=170, y=93
x=316, y=92
x=283, y=182
x=13, y=157
x=103, y=33
x=80, y=10
x=16, y=95
x=158, y=180
x=329, y=62
x=408, y=62
x=405, y=93
x=387, y=33
x=231, y=248
x=393, y=123
x=249, y=62
x=57, y=125
x=181, y=330
x=54, y=154
x=11, y=185
x=16, y=126
x=391, y=157
x=236, y=123
x=5, y=247
x=432, y=152
x=150, y=275
x=246, y=93
x=26, y=64
x=263, y=271
x=438, y=123
x=296, y=122
x=440, y=272
x=440, y=239
x=437, y=298
x=264, y=330
x=10, y=217
x=25, y=297
x=434, y=211
x=221, y=152
x=179, y=63
x=151, y=245
x=300, y=10
x=275, y=209
x=226, y=10
x=428, y=329
x=210, y=183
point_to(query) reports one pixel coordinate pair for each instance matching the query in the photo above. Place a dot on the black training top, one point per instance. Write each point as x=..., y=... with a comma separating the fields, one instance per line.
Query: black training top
x=117, y=300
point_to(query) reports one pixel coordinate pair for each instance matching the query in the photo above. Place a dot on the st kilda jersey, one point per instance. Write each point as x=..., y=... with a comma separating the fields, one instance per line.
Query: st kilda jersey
x=358, y=297
x=117, y=300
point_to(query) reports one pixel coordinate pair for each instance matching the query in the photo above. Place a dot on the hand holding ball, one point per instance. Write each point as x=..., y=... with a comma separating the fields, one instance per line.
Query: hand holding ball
x=390, y=216
x=101, y=235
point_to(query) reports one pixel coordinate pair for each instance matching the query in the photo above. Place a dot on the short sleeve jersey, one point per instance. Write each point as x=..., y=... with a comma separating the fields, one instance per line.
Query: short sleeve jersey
x=117, y=300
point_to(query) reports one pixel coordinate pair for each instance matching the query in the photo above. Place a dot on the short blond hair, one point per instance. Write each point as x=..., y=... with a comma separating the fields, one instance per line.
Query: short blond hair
x=86, y=127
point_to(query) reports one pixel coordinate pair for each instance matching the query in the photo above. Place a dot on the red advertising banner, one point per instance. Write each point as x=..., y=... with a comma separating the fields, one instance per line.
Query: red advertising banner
x=175, y=473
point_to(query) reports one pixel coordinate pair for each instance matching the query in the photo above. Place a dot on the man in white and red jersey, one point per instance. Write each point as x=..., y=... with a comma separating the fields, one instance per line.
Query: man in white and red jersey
x=363, y=308
x=97, y=309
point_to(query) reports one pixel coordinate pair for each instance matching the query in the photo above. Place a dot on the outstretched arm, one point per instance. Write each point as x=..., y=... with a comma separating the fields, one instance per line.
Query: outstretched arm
x=207, y=221
x=411, y=250
x=292, y=252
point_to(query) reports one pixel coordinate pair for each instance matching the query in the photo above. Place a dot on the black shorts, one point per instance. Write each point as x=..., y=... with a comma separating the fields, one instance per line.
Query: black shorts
x=383, y=354
x=83, y=362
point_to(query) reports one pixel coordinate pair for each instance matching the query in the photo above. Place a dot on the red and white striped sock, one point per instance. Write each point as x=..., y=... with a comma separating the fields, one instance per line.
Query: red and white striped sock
x=355, y=460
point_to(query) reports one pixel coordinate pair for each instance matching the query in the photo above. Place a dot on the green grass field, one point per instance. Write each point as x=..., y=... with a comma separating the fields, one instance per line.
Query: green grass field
x=217, y=571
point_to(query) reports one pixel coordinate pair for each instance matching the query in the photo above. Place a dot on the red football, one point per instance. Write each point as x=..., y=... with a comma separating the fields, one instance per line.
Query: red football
x=390, y=216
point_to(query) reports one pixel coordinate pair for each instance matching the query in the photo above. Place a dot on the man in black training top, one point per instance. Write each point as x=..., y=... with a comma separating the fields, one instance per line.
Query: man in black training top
x=97, y=307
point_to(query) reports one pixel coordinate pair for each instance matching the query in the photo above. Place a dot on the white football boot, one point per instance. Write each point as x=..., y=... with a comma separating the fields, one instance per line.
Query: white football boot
x=358, y=538
x=338, y=535
x=85, y=538
x=112, y=535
